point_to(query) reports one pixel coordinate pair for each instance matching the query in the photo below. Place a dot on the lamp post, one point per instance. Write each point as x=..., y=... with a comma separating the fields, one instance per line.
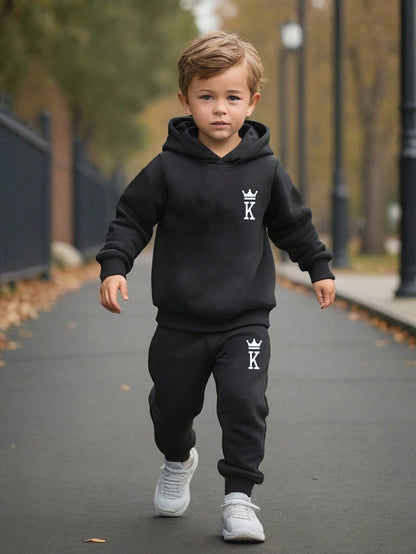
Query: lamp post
x=340, y=192
x=291, y=37
x=283, y=112
x=407, y=162
x=302, y=156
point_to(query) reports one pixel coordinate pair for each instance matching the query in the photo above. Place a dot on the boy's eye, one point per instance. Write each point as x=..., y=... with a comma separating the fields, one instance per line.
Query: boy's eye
x=233, y=98
x=206, y=97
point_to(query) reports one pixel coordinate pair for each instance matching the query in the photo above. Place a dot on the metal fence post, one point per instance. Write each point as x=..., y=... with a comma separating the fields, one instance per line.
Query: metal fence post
x=46, y=128
x=77, y=157
x=407, y=162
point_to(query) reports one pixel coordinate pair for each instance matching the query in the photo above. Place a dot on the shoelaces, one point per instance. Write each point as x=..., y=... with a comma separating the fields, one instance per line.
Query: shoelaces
x=173, y=482
x=241, y=509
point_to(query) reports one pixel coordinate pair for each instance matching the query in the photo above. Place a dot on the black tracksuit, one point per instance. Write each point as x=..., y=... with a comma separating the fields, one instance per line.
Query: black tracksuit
x=213, y=282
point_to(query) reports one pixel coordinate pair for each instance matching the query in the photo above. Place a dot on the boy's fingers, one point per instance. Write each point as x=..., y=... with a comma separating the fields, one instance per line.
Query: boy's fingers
x=325, y=302
x=325, y=294
x=108, y=294
x=114, y=305
x=109, y=302
x=327, y=298
x=124, y=290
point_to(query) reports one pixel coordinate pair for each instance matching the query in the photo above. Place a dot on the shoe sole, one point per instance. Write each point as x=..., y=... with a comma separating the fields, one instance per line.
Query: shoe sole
x=178, y=513
x=243, y=536
x=173, y=514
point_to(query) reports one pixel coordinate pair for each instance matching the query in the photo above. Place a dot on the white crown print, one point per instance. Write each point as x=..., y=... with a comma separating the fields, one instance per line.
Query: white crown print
x=249, y=195
x=253, y=345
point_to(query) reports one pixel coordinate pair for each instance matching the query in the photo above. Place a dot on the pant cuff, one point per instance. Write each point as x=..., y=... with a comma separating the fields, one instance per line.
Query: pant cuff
x=235, y=483
x=178, y=458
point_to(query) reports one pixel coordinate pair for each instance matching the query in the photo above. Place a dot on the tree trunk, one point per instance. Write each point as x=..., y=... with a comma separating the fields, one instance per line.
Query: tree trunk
x=373, y=194
x=370, y=96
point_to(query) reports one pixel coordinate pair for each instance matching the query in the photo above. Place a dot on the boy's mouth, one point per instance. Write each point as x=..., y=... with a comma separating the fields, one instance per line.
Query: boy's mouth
x=220, y=124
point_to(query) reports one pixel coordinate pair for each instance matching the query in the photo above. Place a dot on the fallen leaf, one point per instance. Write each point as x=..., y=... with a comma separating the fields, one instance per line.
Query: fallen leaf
x=24, y=333
x=2, y=363
x=12, y=345
x=95, y=540
x=342, y=305
x=125, y=387
x=12, y=446
x=382, y=342
x=71, y=326
x=400, y=336
x=410, y=362
x=354, y=316
x=412, y=343
x=380, y=323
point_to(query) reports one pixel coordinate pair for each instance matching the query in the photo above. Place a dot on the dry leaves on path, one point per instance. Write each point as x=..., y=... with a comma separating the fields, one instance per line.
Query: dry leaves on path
x=357, y=313
x=27, y=298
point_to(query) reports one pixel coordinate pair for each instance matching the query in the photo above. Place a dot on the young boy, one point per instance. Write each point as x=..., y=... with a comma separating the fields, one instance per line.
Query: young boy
x=217, y=194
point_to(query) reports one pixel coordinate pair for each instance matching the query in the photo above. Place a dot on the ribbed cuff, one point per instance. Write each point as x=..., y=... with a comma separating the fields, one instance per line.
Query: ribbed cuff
x=320, y=270
x=235, y=483
x=112, y=266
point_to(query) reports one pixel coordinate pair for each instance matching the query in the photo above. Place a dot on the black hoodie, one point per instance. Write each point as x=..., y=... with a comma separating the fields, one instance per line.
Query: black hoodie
x=213, y=269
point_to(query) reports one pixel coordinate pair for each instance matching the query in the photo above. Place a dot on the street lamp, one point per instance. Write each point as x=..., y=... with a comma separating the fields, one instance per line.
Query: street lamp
x=291, y=36
x=407, y=162
x=340, y=192
x=302, y=153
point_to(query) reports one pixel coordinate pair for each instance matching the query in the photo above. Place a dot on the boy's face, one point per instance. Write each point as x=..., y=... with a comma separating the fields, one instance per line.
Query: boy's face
x=219, y=106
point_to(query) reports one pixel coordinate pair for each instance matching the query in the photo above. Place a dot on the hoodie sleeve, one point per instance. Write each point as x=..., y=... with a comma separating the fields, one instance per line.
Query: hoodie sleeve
x=138, y=210
x=290, y=227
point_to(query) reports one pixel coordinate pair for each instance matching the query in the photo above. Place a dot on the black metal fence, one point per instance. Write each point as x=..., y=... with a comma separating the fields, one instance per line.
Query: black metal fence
x=95, y=200
x=25, y=190
x=25, y=199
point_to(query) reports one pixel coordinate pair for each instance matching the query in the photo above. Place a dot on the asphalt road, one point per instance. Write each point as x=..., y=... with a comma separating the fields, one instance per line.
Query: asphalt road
x=77, y=457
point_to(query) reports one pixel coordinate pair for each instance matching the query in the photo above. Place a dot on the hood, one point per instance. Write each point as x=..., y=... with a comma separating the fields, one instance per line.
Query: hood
x=183, y=139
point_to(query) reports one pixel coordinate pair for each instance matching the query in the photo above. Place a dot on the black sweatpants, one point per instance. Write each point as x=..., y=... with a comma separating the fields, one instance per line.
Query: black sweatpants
x=180, y=364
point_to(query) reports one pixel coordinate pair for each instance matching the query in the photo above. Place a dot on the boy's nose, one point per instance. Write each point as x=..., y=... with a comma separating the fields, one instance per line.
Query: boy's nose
x=219, y=107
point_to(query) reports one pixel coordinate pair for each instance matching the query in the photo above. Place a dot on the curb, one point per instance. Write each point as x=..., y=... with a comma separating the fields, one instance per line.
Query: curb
x=354, y=302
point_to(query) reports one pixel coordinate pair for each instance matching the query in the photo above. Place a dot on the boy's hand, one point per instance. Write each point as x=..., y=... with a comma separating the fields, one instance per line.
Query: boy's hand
x=108, y=292
x=325, y=292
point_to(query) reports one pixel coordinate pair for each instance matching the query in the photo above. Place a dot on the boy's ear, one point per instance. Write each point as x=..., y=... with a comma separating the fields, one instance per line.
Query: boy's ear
x=184, y=102
x=253, y=103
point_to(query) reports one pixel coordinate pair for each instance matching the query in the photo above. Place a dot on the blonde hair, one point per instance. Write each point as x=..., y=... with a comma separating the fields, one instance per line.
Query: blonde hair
x=216, y=52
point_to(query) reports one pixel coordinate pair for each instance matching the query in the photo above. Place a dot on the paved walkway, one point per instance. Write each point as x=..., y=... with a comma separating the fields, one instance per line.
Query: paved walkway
x=78, y=461
x=373, y=292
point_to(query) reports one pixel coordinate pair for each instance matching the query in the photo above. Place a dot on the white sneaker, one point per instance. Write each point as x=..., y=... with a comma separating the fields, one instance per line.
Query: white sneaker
x=172, y=492
x=239, y=520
